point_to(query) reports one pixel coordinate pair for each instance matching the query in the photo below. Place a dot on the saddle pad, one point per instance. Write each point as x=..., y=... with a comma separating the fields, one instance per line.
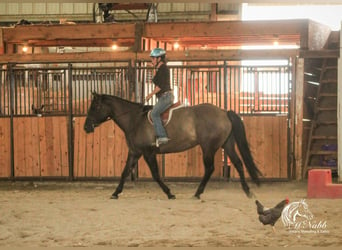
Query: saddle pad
x=167, y=114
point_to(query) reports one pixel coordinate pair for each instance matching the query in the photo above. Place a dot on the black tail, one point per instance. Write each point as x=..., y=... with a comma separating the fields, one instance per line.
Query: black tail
x=239, y=133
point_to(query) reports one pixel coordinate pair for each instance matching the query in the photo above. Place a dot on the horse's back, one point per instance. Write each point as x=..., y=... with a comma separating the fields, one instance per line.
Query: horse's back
x=203, y=121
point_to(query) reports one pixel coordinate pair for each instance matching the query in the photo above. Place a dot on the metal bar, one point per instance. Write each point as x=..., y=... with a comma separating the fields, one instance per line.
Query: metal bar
x=70, y=126
x=11, y=108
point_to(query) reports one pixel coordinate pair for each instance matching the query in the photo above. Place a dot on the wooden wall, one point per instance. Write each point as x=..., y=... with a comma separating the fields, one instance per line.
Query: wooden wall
x=41, y=150
x=41, y=146
x=267, y=137
x=5, y=145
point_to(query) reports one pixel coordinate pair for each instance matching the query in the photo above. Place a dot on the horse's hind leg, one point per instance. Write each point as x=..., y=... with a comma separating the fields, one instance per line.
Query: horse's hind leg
x=132, y=160
x=208, y=160
x=151, y=160
x=229, y=147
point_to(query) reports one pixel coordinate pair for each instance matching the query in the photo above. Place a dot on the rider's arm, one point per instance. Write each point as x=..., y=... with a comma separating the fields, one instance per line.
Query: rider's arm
x=155, y=91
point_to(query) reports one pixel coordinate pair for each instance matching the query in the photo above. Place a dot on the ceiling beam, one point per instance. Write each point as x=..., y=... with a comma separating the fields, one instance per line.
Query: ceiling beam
x=223, y=33
x=22, y=33
x=223, y=28
x=194, y=1
x=190, y=55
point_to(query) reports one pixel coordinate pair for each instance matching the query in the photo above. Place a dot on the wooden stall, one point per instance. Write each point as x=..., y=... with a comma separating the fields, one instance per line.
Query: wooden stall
x=47, y=147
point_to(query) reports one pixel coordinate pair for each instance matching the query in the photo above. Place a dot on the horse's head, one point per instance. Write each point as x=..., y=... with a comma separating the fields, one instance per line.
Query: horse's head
x=98, y=113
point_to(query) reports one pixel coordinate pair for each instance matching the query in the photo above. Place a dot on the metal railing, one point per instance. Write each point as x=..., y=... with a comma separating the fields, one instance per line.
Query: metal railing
x=244, y=89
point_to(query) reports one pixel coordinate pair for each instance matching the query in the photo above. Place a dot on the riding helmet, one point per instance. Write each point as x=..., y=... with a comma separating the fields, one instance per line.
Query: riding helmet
x=157, y=52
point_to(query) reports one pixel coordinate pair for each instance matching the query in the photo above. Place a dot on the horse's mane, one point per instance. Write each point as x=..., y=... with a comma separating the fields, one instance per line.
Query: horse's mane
x=143, y=108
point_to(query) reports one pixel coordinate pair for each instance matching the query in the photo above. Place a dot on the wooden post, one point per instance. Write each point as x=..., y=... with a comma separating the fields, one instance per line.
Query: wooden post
x=298, y=122
x=339, y=114
x=1, y=42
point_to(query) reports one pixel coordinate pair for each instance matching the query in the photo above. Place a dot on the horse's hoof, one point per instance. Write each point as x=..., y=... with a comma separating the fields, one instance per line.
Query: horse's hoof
x=251, y=195
x=197, y=197
x=114, y=197
x=171, y=197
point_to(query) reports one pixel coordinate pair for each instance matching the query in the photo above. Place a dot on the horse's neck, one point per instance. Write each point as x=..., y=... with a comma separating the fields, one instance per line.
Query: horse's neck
x=123, y=112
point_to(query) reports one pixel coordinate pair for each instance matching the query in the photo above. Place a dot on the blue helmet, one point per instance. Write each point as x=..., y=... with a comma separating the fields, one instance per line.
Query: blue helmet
x=157, y=52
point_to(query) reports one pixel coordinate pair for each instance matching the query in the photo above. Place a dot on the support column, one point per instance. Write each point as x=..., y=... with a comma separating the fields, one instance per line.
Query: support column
x=339, y=114
x=298, y=119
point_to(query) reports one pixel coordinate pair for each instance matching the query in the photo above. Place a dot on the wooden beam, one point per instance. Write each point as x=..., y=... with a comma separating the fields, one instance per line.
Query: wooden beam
x=200, y=55
x=323, y=53
x=2, y=45
x=224, y=28
x=298, y=116
x=191, y=55
x=339, y=114
x=18, y=34
x=67, y=57
x=128, y=42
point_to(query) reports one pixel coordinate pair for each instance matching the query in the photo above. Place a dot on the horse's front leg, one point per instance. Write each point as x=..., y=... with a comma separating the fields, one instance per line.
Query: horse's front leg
x=208, y=160
x=132, y=160
x=151, y=160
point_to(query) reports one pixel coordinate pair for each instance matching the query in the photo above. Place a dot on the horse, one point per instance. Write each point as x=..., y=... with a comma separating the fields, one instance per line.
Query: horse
x=204, y=124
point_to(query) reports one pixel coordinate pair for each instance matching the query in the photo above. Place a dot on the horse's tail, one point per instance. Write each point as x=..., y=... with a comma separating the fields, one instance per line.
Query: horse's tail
x=239, y=133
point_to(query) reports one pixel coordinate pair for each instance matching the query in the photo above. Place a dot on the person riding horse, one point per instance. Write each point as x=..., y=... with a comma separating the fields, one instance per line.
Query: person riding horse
x=163, y=92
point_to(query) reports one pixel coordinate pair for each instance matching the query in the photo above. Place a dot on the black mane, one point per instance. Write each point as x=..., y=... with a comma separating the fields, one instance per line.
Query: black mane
x=144, y=108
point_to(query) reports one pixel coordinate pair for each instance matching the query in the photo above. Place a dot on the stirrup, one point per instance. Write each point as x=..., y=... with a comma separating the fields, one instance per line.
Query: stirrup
x=160, y=141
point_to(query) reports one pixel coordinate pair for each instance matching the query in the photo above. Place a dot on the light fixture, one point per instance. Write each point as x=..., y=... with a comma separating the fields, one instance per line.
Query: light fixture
x=25, y=49
x=176, y=45
x=114, y=46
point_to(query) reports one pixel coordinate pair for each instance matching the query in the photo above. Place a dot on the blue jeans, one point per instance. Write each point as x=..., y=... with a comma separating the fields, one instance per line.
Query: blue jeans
x=164, y=102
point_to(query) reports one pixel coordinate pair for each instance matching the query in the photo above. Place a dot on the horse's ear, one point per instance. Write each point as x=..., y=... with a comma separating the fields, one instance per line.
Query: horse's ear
x=95, y=95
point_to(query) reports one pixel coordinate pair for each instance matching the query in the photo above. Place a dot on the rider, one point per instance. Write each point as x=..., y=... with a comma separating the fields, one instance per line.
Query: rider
x=163, y=92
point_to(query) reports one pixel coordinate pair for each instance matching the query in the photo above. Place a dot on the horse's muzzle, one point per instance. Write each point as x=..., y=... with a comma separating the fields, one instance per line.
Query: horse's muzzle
x=89, y=126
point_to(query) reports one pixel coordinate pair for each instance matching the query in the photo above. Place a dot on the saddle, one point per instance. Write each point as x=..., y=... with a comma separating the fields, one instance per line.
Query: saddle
x=167, y=114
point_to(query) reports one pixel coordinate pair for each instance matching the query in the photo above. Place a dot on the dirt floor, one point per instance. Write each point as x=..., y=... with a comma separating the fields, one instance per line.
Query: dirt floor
x=81, y=214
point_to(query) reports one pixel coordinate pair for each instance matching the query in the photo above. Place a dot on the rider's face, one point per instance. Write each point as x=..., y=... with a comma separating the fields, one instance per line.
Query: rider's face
x=154, y=61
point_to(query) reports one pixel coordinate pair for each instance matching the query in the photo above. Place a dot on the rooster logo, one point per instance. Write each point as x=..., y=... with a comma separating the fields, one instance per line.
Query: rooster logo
x=296, y=214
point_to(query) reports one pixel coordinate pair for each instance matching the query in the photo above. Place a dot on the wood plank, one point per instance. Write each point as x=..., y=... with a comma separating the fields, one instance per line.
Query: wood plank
x=268, y=146
x=33, y=144
x=27, y=144
x=89, y=153
x=82, y=147
x=76, y=145
x=322, y=53
x=109, y=152
x=298, y=119
x=50, y=138
x=97, y=149
x=223, y=28
x=103, y=153
x=275, y=160
x=43, y=148
x=339, y=112
x=107, y=56
x=67, y=32
x=5, y=160
x=123, y=151
x=56, y=149
x=63, y=133
x=283, y=159
x=19, y=151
